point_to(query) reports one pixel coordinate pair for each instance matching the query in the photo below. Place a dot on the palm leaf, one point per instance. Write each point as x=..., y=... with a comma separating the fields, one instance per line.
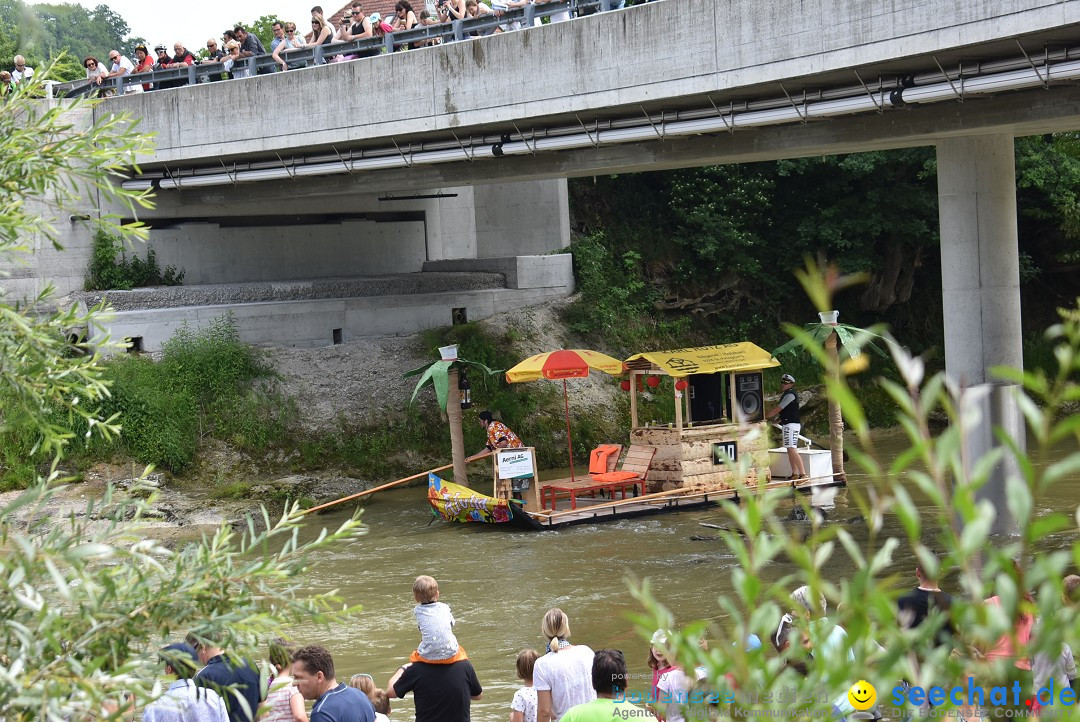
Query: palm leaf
x=438, y=374
x=415, y=371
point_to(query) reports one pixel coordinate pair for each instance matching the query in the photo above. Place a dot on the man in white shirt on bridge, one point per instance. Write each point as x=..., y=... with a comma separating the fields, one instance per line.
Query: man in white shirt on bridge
x=122, y=65
x=21, y=71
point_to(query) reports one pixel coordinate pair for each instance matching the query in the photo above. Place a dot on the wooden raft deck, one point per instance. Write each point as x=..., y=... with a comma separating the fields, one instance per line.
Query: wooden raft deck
x=592, y=511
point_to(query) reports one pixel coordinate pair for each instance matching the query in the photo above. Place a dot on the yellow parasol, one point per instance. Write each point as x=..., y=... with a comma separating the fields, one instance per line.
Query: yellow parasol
x=564, y=364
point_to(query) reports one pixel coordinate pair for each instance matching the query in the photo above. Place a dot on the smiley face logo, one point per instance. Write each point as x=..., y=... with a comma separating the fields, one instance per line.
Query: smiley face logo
x=862, y=695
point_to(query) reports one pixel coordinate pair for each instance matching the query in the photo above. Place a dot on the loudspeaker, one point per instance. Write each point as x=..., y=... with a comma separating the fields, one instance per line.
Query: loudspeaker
x=749, y=401
x=707, y=393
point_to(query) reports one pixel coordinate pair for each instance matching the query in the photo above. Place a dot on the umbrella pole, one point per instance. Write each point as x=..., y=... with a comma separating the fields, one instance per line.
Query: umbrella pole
x=569, y=442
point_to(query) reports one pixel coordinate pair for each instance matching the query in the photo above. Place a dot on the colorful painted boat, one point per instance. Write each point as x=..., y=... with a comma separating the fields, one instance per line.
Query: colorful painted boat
x=456, y=503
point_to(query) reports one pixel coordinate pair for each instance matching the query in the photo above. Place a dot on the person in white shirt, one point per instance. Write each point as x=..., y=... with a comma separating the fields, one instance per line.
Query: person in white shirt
x=183, y=701
x=563, y=676
x=122, y=65
x=21, y=71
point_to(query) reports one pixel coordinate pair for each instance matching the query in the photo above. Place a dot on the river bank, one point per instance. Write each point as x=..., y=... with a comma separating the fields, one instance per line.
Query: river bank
x=230, y=428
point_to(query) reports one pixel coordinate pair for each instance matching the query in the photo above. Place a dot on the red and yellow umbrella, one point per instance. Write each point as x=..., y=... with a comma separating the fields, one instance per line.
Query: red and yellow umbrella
x=561, y=365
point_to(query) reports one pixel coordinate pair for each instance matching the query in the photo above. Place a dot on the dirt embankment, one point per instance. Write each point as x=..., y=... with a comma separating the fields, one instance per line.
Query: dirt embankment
x=360, y=381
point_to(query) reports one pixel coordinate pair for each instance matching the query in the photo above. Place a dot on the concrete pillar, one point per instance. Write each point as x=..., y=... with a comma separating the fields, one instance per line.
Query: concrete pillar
x=980, y=281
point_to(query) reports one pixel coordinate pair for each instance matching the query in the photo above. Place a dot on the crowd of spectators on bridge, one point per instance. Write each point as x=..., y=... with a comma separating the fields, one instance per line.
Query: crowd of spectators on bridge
x=237, y=44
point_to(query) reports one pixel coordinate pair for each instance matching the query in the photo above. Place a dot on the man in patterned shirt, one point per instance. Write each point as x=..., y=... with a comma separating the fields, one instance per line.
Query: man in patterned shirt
x=499, y=435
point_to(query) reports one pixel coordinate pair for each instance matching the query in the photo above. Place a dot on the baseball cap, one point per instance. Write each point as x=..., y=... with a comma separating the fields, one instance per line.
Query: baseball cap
x=787, y=379
x=181, y=657
x=659, y=638
x=159, y=46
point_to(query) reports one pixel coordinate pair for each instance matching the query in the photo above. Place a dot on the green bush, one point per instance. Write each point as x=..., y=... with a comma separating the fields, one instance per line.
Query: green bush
x=159, y=420
x=110, y=269
x=202, y=386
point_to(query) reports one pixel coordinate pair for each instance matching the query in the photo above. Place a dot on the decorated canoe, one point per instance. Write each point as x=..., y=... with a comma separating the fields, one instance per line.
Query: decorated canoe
x=455, y=503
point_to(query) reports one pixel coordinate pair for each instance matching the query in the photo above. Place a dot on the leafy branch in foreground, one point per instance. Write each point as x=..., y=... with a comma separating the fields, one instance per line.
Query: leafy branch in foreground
x=88, y=599
x=57, y=161
x=855, y=566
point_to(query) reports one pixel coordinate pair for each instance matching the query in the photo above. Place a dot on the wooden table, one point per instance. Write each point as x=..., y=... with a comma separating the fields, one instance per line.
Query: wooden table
x=573, y=487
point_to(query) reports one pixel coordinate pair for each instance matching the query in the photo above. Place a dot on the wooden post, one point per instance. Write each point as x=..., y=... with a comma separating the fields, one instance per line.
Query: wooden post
x=633, y=400
x=457, y=440
x=836, y=417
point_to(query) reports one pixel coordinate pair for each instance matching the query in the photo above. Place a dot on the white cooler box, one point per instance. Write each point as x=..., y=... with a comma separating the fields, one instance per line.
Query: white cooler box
x=818, y=463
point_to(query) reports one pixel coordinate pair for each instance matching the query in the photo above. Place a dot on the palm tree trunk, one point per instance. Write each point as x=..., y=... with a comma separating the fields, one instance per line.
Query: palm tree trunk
x=836, y=418
x=457, y=441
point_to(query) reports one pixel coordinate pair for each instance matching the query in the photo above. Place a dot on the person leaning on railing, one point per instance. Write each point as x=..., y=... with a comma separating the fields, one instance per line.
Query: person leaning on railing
x=143, y=63
x=95, y=71
x=292, y=41
x=214, y=56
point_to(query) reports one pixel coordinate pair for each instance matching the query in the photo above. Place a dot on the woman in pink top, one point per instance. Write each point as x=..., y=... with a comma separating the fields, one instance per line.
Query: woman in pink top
x=285, y=701
x=1020, y=635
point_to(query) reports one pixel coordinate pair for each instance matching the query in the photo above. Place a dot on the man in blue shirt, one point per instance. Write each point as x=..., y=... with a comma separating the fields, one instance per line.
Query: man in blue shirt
x=236, y=680
x=313, y=674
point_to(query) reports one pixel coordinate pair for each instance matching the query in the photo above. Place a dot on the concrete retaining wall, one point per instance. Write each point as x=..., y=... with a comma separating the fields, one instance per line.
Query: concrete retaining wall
x=554, y=271
x=212, y=254
x=312, y=323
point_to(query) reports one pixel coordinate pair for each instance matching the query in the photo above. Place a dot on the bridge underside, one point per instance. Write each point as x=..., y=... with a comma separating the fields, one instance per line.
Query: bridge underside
x=1018, y=113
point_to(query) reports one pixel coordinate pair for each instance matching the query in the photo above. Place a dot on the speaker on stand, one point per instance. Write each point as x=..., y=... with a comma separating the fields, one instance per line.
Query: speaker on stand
x=749, y=399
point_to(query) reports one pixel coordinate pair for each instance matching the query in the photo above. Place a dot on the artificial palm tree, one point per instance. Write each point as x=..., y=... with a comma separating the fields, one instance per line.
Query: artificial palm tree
x=838, y=347
x=444, y=376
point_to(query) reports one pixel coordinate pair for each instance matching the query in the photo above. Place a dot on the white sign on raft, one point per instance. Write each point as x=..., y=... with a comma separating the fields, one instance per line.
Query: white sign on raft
x=515, y=463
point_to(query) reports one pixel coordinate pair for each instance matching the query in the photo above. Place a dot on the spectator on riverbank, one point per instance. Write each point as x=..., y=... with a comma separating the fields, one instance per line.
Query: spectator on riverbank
x=608, y=677
x=436, y=623
x=314, y=676
x=284, y=700
x=363, y=682
x=440, y=691
x=523, y=706
x=669, y=684
x=381, y=702
x=561, y=676
x=7, y=85
x=236, y=680
x=924, y=600
x=183, y=700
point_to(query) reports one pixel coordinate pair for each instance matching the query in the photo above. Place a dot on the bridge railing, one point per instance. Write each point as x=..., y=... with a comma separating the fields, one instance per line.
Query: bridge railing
x=311, y=55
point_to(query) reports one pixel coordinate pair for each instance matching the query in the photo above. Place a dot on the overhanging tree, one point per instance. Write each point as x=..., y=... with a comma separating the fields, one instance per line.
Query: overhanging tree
x=86, y=600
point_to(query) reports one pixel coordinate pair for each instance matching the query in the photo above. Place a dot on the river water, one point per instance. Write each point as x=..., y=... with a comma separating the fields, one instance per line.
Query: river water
x=500, y=582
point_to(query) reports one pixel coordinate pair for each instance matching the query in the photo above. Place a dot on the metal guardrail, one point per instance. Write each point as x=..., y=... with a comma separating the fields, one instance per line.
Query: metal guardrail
x=311, y=55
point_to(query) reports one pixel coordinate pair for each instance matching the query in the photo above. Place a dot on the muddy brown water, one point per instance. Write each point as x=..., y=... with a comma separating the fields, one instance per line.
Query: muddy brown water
x=500, y=582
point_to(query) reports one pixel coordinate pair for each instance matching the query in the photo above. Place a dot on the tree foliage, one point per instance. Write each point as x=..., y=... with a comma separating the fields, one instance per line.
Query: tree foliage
x=949, y=537
x=43, y=32
x=721, y=242
x=87, y=599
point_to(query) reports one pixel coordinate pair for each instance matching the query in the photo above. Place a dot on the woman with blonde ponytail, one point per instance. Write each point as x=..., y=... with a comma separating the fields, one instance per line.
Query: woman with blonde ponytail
x=562, y=677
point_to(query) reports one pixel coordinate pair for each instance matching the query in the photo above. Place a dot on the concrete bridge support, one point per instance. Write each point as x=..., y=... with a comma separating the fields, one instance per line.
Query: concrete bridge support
x=980, y=278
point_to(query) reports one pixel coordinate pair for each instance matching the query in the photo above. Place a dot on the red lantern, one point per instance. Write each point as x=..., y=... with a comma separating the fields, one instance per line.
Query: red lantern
x=625, y=384
x=653, y=381
x=681, y=385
